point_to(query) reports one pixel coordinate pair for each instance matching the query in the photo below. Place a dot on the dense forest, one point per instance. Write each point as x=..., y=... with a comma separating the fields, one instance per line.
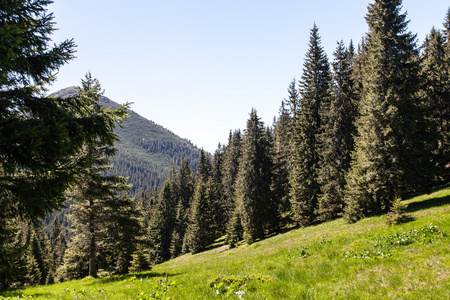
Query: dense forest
x=356, y=134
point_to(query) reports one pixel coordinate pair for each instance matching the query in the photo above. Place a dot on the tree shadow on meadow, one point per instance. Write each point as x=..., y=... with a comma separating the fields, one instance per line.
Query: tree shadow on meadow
x=135, y=276
x=434, y=202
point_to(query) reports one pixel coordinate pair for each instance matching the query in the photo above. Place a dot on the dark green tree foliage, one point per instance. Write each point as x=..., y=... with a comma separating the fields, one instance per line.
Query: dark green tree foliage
x=13, y=264
x=58, y=246
x=283, y=129
x=37, y=267
x=122, y=230
x=161, y=224
x=96, y=192
x=217, y=175
x=229, y=173
x=202, y=226
x=337, y=135
x=205, y=213
x=387, y=161
x=40, y=137
x=185, y=191
x=314, y=88
x=436, y=88
x=254, y=180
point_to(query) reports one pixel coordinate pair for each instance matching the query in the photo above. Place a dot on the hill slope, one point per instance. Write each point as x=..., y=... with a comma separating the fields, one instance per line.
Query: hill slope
x=333, y=260
x=146, y=150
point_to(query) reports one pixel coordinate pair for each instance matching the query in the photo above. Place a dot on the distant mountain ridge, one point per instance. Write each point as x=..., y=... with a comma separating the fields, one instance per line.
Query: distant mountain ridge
x=146, y=150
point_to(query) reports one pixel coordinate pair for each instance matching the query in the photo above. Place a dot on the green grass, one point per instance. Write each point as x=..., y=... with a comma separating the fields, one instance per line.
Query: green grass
x=333, y=260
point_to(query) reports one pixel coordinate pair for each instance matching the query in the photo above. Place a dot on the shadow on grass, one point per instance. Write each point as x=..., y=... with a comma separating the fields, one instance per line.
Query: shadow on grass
x=434, y=202
x=138, y=276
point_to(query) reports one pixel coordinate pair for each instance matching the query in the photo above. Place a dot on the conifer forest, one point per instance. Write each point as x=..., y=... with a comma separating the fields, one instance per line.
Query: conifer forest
x=356, y=133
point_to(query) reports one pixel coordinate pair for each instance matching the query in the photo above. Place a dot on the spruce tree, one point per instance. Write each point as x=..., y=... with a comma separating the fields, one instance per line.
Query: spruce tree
x=202, y=226
x=283, y=129
x=122, y=229
x=161, y=224
x=37, y=269
x=96, y=190
x=185, y=186
x=58, y=244
x=230, y=170
x=314, y=88
x=387, y=162
x=337, y=135
x=254, y=180
x=436, y=91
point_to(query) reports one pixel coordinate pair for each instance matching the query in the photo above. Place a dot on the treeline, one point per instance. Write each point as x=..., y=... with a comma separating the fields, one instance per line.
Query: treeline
x=353, y=136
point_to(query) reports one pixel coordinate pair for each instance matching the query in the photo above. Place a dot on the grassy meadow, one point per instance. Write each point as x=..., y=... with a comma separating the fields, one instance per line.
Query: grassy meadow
x=332, y=260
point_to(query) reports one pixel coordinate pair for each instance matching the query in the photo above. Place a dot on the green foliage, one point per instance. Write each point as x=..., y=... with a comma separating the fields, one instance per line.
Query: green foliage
x=160, y=291
x=383, y=246
x=205, y=216
x=397, y=214
x=229, y=173
x=436, y=93
x=337, y=135
x=314, y=87
x=161, y=224
x=259, y=212
x=139, y=261
x=391, y=127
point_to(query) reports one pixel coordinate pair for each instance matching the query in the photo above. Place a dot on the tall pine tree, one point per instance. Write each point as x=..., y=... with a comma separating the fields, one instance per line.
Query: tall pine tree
x=314, y=88
x=387, y=162
x=337, y=135
x=254, y=180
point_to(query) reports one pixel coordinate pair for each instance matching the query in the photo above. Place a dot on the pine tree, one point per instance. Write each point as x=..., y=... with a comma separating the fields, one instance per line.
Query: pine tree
x=58, y=244
x=387, y=161
x=202, y=226
x=37, y=269
x=96, y=190
x=185, y=186
x=230, y=170
x=122, y=231
x=205, y=215
x=161, y=224
x=254, y=181
x=283, y=143
x=337, y=135
x=314, y=87
x=436, y=90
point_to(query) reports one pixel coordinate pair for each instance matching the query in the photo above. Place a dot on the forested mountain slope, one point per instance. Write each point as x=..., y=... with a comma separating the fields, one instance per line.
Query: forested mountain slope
x=146, y=150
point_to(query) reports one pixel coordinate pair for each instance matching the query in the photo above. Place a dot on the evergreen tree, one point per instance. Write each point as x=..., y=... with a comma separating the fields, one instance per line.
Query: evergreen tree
x=122, y=231
x=37, y=269
x=185, y=187
x=337, y=135
x=58, y=244
x=314, y=87
x=202, y=225
x=254, y=181
x=230, y=169
x=204, y=220
x=96, y=190
x=387, y=161
x=161, y=224
x=436, y=89
x=283, y=143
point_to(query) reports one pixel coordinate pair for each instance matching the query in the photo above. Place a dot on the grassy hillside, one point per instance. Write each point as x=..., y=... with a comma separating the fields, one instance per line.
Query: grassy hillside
x=146, y=150
x=333, y=260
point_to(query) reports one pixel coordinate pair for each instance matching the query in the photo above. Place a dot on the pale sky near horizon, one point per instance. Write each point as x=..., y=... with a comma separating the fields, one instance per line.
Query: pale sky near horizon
x=198, y=67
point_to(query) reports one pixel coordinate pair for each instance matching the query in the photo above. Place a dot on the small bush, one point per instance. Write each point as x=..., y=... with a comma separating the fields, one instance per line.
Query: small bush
x=397, y=214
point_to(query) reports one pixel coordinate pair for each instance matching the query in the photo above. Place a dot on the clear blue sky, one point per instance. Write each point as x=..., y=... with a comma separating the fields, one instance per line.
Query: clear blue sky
x=197, y=67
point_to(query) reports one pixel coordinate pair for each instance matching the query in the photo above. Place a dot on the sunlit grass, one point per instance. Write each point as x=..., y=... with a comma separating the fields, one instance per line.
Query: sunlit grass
x=305, y=263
